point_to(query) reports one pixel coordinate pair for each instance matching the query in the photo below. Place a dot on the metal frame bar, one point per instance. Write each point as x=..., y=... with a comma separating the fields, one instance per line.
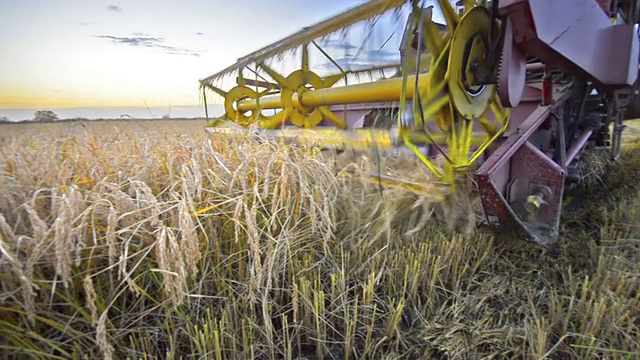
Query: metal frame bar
x=308, y=34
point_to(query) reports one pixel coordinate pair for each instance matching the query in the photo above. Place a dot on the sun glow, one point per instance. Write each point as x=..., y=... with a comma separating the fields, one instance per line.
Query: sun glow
x=138, y=54
x=141, y=53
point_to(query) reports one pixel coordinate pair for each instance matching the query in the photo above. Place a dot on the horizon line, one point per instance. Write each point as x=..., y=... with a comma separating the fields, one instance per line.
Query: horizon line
x=105, y=107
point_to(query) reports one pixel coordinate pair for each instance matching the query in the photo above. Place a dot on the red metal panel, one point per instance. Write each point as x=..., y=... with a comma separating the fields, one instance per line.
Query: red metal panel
x=517, y=169
x=519, y=115
x=533, y=170
x=577, y=36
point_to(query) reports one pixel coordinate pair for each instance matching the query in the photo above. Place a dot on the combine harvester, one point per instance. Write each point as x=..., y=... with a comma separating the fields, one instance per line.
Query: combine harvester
x=513, y=90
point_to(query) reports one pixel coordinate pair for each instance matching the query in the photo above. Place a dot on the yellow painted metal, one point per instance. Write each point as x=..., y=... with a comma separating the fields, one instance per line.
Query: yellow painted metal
x=266, y=102
x=468, y=4
x=300, y=115
x=441, y=98
x=379, y=91
x=338, y=139
x=442, y=114
x=293, y=111
x=442, y=102
x=359, y=139
x=240, y=116
x=450, y=15
x=248, y=117
x=471, y=101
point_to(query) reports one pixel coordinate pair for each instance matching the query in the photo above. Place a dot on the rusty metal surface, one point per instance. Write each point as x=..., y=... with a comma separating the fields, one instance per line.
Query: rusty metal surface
x=532, y=171
x=531, y=168
x=494, y=174
x=517, y=169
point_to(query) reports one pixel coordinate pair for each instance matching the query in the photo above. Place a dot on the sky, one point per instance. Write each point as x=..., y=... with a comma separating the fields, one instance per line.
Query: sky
x=137, y=53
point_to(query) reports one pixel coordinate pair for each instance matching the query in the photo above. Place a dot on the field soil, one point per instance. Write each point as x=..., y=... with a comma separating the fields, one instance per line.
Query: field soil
x=156, y=240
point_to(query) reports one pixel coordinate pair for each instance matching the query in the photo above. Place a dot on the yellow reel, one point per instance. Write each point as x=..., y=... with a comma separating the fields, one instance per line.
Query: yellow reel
x=232, y=97
x=452, y=99
x=451, y=103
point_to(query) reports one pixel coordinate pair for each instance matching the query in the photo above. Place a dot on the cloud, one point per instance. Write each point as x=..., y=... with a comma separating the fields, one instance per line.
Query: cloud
x=135, y=40
x=114, y=8
x=147, y=41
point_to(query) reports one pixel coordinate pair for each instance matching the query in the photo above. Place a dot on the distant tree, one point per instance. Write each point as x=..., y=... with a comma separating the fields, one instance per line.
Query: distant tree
x=44, y=116
x=4, y=119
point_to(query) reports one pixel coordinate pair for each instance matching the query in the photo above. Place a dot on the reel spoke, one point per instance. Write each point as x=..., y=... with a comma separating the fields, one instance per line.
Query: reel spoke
x=448, y=76
x=454, y=101
x=450, y=15
x=333, y=118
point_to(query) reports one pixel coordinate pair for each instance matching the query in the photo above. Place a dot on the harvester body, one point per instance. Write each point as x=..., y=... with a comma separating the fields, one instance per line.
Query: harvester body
x=513, y=91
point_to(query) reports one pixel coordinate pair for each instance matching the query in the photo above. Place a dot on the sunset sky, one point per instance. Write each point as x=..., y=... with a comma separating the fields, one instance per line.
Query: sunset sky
x=58, y=53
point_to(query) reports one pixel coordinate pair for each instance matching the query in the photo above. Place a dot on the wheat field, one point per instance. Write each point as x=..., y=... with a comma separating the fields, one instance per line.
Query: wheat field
x=155, y=240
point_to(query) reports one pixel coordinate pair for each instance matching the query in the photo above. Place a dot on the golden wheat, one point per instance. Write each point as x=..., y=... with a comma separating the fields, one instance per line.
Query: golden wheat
x=130, y=240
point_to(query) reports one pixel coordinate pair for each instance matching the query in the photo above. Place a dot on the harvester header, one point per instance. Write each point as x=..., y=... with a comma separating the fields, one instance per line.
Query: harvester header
x=512, y=91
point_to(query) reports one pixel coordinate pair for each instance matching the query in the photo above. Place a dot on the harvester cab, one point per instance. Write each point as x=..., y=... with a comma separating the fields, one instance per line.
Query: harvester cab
x=510, y=92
